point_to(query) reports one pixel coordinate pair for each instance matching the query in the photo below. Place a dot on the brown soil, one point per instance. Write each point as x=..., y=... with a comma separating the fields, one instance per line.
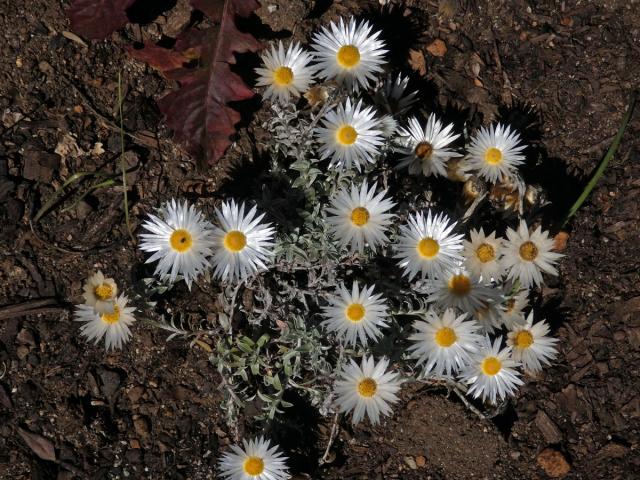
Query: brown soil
x=152, y=411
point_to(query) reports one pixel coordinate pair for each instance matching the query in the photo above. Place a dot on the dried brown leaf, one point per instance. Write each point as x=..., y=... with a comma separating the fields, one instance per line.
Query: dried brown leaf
x=42, y=447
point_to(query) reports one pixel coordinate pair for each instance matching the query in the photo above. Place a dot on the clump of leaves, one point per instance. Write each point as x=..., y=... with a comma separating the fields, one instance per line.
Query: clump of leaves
x=198, y=110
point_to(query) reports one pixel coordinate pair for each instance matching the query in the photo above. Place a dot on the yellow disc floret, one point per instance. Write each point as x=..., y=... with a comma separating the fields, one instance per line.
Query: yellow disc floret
x=348, y=56
x=181, y=240
x=423, y=150
x=346, y=135
x=283, y=76
x=528, y=251
x=355, y=312
x=111, y=318
x=523, y=339
x=235, y=241
x=253, y=466
x=445, y=337
x=485, y=253
x=460, y=285
x=428, y=248
x=493, y=156
x=367, y=387
x=104, y=291
x=491, y=366
x=360, y=216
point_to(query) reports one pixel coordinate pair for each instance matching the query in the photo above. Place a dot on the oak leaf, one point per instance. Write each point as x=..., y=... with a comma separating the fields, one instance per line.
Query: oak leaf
x=96, y=19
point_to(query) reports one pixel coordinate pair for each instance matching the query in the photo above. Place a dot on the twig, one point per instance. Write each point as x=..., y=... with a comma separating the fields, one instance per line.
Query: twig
x=332, y=437
x=122, y=161
x=453, y=386
x=34, y=307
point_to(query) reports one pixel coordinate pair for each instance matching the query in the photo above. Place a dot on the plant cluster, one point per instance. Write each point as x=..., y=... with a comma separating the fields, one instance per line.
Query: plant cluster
x=354, y=276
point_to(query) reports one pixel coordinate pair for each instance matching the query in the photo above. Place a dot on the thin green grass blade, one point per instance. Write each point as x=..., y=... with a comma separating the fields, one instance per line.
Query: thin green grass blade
x=605, y=161
x=106, y=183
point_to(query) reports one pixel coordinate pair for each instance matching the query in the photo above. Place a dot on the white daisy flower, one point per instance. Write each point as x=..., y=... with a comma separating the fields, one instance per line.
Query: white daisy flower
x=531, y=345
x=491, y=373
x=527, y=255
x=349, y=53
x=356, y=316
x=457, y=288
x=243, y=245
x=426, y=245
x=285, y=74
x=511, y=314
x=495, y=152
x=443, y=342
x=258, y=460
x=359, y=217
x=367, y=389
x=392, y=95
x=100, y=292
x=114, y=327
x=180, y=239
x=425, y=149
x=349, y=135
x=489, y=314
x=482, y=255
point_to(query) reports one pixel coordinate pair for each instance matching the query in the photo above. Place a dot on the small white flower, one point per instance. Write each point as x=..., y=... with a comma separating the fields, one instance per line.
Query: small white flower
x=100, y=292
x=359, y=217
x=482, y=255
x=443, y=342
x=367, y=389
x=492, y=373
x=114, y=327
x=458, y=289
x=285, y=74
x=531, y=345
x=425, y=149
x=495, y=152
x=511, y=314
x=180, y=239
x=243, y=245
x=349, y=135
x=392, y=95
x=356, y=316
x=426, y=245
x=258, y=460
x=489, y=314
x=527, y=255
x=349, y=53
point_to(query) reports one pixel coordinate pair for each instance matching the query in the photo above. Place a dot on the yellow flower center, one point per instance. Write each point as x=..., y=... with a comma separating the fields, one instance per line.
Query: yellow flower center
x=423, y=150
x=346, y=135
x=524, y=339
x=360, y=216
x=348, y=56
x=283, y=76
x=485, y=253
x=428, y=248
x=491, y=366
x=367, y=387
x=253, y=466
x=103, y=291
x=445, y=337
x=111, y=318
x=460, y=285
x=528, y=251
x=355, y=312
x=235, y=241
x=493, y=156
x=180, y=240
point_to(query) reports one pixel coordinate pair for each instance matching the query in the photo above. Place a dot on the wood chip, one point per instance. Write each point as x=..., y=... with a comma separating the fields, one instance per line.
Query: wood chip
x=548, y=428
x=417, y=62
x=437, y=48
x=42, y=447
x=553, y=463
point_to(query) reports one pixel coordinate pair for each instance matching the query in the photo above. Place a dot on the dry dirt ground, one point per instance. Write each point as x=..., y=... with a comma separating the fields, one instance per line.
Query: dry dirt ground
x=152, y=411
